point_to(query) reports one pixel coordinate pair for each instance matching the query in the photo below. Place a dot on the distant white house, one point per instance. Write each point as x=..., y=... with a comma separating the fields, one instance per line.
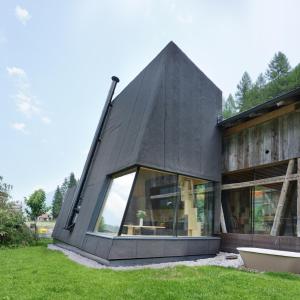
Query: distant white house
x=16, y=205
x=45, y=217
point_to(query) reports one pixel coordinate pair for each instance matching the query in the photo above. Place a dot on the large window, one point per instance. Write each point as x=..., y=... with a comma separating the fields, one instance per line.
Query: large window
x=265, y=200
x=152, y=207
x=195, y=210
x=252, y=209
x=237, y=210
x=161, y=204
x=114, y=205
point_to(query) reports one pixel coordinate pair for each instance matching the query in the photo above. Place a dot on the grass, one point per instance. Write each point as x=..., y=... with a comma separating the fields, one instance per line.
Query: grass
x=38, y=273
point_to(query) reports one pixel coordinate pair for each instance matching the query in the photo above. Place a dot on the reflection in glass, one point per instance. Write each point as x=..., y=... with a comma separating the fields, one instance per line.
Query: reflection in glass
x=237, y=210
x=252, y=210
x=166, y=204
x=265, y=203
x=114, y=205
x=195, y=209
x=152, y=207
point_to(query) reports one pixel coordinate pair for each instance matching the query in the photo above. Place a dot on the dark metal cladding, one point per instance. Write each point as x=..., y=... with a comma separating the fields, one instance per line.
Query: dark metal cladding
x=166, y=118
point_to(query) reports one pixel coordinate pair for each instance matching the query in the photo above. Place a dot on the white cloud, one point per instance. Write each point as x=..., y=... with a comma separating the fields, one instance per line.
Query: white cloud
x=19, y=127
x=46, y=120
x=187, y=19
x=26, y=103
x=22, y=14
x=17, y=72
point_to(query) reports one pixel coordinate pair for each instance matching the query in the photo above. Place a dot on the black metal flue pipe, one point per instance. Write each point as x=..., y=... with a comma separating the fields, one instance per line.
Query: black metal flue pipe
x=95, y=144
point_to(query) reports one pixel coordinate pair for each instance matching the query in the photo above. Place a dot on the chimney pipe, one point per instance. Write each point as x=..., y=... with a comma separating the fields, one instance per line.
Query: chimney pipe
x=75, y=208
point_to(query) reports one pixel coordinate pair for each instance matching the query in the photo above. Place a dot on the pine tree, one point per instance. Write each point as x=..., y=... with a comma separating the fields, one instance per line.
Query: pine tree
x=260, y=81
x=64, y=186
x=57, y=202
x=242, y=89
x=230, y=108
x=72, y=180
x=278, y=67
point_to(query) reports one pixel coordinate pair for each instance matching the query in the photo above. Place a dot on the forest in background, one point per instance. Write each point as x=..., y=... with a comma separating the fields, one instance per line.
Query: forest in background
x=279, y=77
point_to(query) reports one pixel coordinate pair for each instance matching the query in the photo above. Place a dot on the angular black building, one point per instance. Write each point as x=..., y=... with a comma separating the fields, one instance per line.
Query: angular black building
x=150, y=188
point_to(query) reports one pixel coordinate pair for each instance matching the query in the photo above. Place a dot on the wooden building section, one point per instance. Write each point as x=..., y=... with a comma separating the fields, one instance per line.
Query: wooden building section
x=261, y=149
x=272, y=141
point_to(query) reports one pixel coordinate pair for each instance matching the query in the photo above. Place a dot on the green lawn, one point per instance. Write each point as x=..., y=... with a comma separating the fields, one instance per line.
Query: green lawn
x=38, y=273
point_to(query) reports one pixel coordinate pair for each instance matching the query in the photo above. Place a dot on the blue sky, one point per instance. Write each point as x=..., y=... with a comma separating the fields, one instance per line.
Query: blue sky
x=57, y=57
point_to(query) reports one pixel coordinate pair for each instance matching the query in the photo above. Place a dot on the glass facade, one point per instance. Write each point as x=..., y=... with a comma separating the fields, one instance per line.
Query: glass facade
x=114, y=205
x=252, y=209
x=160, y=204
x=265, y=200
x=237, y=210
x=195, y=210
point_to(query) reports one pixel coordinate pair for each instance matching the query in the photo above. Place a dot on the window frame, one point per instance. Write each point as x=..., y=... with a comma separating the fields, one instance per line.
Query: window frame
x=105, y=195
x=137, y=169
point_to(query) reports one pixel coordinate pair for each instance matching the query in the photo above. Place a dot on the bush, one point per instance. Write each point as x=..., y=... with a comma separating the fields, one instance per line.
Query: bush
x=13, y=230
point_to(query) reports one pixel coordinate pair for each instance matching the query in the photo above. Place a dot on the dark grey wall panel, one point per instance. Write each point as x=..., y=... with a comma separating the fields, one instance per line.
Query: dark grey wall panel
x=181, y=133
x=96, y=245
x=123, y=249
x=58, y=231
x=136, y=248
x=103, y=248
x=150, y=248
x=90, y=244
x=197, y=247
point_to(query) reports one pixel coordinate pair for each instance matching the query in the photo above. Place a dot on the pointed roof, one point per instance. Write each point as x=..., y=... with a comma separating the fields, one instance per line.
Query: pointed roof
x=155, y=112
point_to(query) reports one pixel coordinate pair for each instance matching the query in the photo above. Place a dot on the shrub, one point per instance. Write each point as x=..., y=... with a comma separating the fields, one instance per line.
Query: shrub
x=13, y=230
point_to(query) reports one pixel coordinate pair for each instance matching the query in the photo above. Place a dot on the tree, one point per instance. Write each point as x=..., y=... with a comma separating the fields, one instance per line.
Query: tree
x=13, y=230
x=36, y=204
x=5, y=190
x=68, y=183
x=230, y=108
x=242, y=89
x=260, y=81
x=278, y=67
x=64, y=186
x=57, y=202
x=72, y=180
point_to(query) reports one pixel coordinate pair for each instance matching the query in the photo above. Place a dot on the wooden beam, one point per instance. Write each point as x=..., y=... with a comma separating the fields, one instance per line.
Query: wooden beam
x=261, y=119
x=282, y=200
x=222, y=220
x=270, y=180
x=298, y=199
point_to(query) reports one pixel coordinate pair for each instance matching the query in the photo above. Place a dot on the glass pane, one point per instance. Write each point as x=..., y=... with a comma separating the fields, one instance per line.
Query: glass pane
x=114, y=205
x=195, y=209
x=289, y=222
x=265, y=203
x=153, y=205
x=237, y=210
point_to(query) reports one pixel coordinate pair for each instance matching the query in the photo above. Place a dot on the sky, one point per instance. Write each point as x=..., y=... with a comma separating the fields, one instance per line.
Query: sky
x=57, y=58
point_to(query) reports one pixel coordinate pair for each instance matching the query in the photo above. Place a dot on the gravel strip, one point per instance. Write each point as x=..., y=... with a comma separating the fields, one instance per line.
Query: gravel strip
x=219, y=260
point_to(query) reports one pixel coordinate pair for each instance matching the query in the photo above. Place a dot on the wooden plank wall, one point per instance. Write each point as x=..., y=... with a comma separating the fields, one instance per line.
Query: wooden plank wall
x=269, y=142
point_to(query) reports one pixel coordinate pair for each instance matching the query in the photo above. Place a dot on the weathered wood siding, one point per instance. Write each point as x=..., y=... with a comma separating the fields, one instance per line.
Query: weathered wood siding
x=275, y=140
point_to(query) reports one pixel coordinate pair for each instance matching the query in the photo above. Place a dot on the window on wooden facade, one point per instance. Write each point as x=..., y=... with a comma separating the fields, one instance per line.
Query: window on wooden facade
x=252, y=209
